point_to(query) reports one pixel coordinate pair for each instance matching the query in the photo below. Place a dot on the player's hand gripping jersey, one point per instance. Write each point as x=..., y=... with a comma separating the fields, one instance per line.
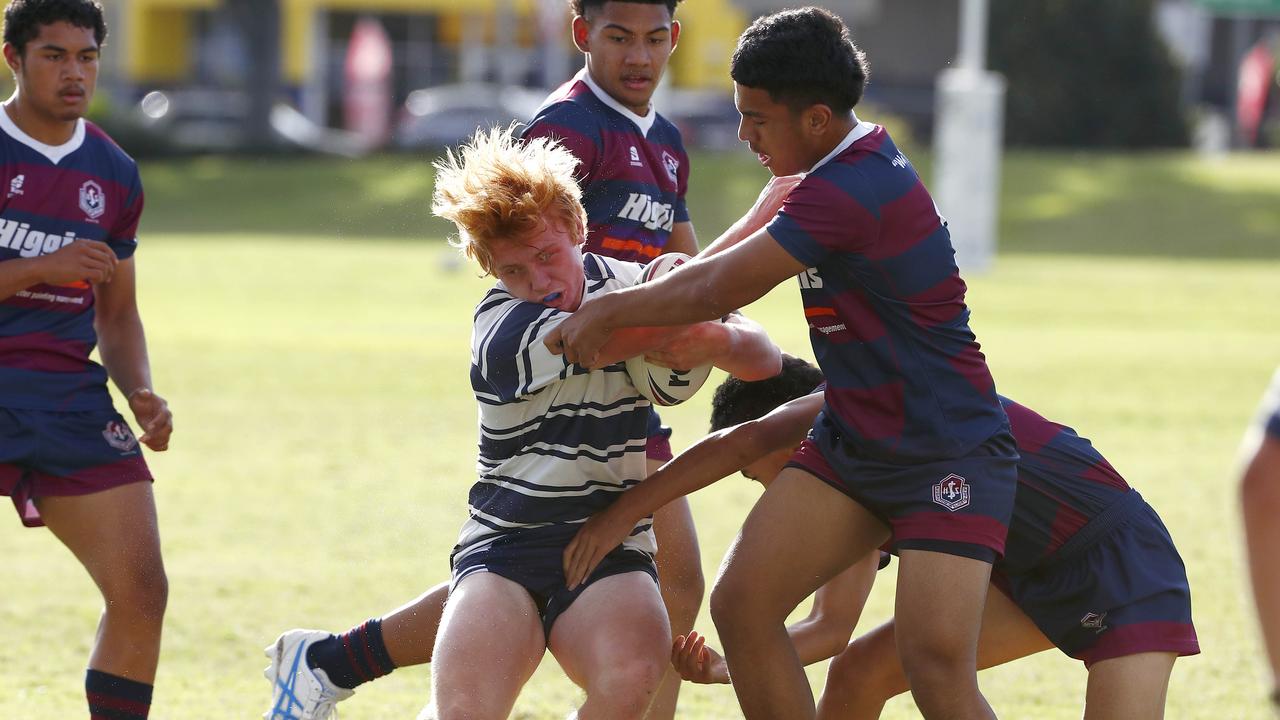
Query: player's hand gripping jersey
x=633, y=173
x=87, y=188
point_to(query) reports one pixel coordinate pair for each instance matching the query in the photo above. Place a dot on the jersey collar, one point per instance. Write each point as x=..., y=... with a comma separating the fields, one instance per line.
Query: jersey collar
x=644, y=123
x=55, y=153
x=859, y=131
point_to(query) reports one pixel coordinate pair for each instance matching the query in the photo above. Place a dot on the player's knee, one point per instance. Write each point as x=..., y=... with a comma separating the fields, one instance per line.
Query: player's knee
x=732, y=610
x=141, y=590
x=628, y=686
x=934, y=665
x=859, y=677
x=462, y=706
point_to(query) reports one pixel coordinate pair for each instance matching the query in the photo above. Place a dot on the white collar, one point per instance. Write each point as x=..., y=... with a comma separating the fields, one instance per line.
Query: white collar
x=643, y=122
x=859, y=131
x=55, y=153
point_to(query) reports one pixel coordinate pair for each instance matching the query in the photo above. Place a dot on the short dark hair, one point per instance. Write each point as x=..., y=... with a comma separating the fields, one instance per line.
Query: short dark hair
x=737, y=401
x=23, y=18
x=801, y=57
x=580, y=7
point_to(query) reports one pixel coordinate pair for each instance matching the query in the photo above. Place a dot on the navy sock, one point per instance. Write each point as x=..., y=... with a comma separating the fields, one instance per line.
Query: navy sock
x=115, y=698
x=354, y=657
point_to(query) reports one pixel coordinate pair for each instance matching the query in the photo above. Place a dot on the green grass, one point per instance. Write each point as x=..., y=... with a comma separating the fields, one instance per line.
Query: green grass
x=1155, y=204
x=316, y=365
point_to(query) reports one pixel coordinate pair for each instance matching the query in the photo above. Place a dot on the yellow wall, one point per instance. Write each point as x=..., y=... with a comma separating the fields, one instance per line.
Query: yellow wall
x=159, y=34
x=159, y=38
x=709, y=31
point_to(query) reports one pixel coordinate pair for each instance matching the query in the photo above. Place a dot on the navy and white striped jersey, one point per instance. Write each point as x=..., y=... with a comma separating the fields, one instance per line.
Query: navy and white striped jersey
x=558, y=443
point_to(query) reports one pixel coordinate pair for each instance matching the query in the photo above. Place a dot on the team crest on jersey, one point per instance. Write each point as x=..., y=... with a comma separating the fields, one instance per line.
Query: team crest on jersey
x=119, y=436
x=92, y=200
x=671, y=164
x=15, y=185
x=951, y=492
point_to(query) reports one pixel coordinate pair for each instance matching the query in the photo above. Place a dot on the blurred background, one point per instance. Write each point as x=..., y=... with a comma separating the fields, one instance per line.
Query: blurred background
x=361, y=75
x=1111, y=165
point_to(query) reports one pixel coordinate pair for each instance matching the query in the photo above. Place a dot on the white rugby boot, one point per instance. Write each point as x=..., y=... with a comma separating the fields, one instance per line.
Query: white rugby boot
x=299, y=692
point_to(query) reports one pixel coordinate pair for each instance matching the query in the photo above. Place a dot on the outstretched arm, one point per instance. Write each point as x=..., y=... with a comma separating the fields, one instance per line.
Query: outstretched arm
x=716, y=456
x=701, y=290
x=766, y=207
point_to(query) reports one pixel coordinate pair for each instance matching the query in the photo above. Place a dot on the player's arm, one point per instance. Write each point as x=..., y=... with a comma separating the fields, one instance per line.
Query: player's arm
x=738, y=345
x=682, y=239
x=82, y=260
x=704, y=289
x=717, y=455
x=122, y=346
x=837, y=606
x=765, y=208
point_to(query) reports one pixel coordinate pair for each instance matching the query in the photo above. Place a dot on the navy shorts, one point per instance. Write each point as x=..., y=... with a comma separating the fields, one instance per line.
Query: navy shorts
x=1117, y=587
x=960, y=506
x=658, y=445
x=50, y=453
x=535, y=561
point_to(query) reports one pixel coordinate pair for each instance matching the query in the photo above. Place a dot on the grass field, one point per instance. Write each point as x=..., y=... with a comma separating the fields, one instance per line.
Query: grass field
x=314, y=349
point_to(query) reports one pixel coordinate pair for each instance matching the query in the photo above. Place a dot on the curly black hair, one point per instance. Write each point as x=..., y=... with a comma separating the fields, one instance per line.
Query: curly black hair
x=580, y=7
x=737, y=401
x=802, y=58
x=23, y=18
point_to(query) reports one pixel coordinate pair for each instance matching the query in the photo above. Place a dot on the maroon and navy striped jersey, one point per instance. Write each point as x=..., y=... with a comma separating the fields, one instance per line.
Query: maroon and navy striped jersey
x=633, y=170
x=1063, y=483
x=885, y=306
x=87, y=188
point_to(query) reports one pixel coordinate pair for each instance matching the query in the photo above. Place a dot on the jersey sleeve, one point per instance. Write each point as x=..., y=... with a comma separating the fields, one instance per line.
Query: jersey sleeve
x=508, y=357
x=575, y=129
x=832, y=210
x=123, y=237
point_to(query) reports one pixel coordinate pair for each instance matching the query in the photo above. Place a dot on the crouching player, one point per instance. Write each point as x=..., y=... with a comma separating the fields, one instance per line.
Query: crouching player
x=558, y=442
x=1088, y=567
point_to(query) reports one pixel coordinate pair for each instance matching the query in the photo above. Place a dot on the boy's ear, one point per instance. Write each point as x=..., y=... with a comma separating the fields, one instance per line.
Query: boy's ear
x=581, y=34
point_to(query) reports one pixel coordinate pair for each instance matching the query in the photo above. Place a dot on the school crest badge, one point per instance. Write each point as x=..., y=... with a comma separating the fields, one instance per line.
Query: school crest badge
x=951, y=492
x=119, y=436
x=92, y=200
x=671, y=164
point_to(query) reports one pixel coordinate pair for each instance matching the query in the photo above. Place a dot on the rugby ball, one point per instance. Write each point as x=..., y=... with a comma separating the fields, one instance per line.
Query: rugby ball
x=664, y=386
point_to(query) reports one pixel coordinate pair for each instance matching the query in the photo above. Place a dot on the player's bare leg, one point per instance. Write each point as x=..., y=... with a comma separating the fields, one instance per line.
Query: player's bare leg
x=868, y=673
x=938, y=609
x=115, y=536
x=489, y=644
x=801, y=533
x=1132, y=687
x=409, y=631
x=1260, y=501
x=613, y=642
x=680, y=575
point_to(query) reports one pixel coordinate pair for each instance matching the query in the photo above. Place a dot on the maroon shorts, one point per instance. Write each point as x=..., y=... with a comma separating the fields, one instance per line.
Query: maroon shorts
x=47, y=453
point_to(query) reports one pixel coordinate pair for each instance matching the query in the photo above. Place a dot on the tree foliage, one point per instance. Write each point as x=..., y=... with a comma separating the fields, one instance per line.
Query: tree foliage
x=1086, y=73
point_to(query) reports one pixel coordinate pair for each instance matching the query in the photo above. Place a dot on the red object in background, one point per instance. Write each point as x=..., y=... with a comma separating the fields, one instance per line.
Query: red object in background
x=366, y=96
x=1257, y=73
